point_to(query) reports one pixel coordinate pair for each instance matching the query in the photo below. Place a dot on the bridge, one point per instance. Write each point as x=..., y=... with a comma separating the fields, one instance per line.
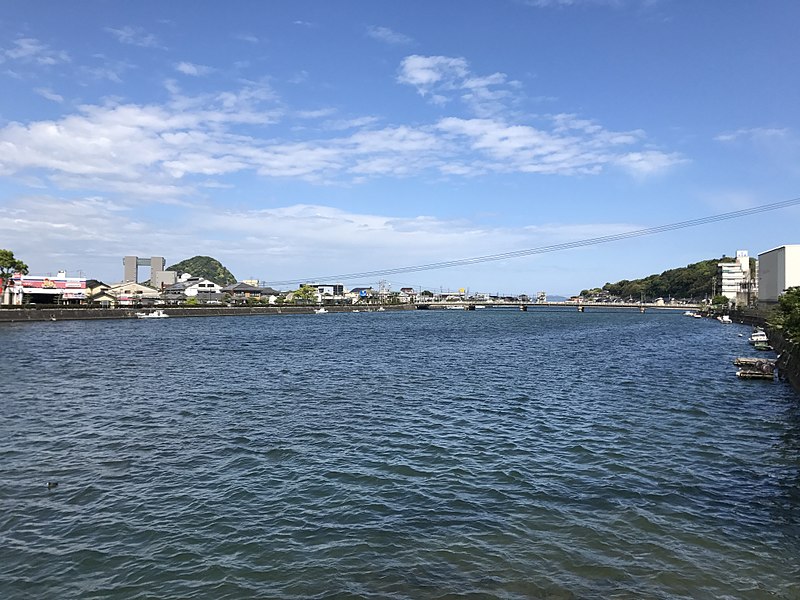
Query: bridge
x=580, y=306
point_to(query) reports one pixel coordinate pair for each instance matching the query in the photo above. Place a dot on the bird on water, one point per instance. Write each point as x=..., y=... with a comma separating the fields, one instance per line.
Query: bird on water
x=52, y=484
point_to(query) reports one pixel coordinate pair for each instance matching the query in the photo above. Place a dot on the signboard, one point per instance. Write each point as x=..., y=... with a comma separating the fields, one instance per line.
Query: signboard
x=67, y=287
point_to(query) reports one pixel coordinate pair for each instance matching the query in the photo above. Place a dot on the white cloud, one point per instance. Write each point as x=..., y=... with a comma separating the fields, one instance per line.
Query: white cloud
x=135, y=36
x=386, y=35
x=192, y=69
x=443, y=78
x=247, y=37
x=32, y=51
x=648, y=162
x=49, y=94
x=753, y=133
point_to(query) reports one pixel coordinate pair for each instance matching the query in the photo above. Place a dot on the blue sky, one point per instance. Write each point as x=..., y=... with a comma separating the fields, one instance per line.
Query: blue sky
x=296, y=139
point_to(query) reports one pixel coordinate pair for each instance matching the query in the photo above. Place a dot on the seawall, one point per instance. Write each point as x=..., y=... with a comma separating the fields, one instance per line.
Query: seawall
x=788, y=352
x=42, y=313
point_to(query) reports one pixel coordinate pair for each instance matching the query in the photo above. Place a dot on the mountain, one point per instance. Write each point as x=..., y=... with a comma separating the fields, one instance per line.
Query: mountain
x=205, y=267
x=692, y=281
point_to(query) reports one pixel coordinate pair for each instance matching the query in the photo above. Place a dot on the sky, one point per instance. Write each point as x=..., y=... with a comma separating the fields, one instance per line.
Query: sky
x=298, y=140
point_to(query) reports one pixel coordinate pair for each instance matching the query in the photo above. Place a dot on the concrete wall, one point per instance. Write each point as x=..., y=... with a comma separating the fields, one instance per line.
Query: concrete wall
x=42, y=313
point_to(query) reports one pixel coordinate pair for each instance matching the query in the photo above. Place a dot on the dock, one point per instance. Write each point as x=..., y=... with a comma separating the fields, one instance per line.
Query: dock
x=755, y=368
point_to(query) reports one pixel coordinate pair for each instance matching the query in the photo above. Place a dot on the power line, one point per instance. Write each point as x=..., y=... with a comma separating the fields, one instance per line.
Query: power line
x=605, y=239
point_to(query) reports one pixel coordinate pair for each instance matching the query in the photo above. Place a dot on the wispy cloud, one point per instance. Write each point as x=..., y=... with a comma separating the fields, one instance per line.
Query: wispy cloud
x=247, y=37
x=753, y=133
x=442, y=79
x=387, y=36
x=32, y=51
x=135, y=36
x=192, y=69
x=49, y=94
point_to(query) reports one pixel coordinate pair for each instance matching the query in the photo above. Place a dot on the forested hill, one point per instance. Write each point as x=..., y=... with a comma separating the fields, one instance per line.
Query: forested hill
x=691, y=281
x=205, y=267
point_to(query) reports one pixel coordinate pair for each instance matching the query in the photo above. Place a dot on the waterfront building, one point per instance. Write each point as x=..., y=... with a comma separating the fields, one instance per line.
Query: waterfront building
x=130, y=293
x=778, y=270
x=46, y=289
x=204, y=290
x=243, y=291
x=734, y=275
x=97, y=293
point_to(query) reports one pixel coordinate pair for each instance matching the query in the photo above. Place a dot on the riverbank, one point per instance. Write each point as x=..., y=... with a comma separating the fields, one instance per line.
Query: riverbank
x=17, y=315
x=788, y=352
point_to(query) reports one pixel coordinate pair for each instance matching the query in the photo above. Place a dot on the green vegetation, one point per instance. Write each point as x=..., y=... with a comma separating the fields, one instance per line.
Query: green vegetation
x=205, y=267
x=8, y=266
x=305, y=295
x=692, y=281
x=786, y=317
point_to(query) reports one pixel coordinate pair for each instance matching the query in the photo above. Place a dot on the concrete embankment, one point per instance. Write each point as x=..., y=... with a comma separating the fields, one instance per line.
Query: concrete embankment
x=43, y=313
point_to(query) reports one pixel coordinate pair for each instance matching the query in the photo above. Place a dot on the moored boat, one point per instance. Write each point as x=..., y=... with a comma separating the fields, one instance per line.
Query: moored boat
x=156, y=314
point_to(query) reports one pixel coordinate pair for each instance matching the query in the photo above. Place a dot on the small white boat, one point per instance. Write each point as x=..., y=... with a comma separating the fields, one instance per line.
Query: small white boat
x=320, y=311
x=381, y=309
x=758, y=337
x=156, y=314
x=724, y=319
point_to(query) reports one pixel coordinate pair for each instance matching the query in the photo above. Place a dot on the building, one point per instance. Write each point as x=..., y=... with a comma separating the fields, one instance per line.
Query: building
x=734, y=276
x=778, y=270
x=203, y=290
x=46, y=289
x=159, y=278
x=131, y=293
x=97, y=293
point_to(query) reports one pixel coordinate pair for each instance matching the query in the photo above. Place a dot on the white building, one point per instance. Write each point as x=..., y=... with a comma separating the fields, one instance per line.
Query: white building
x=193, y=287
x=734, y=276
x=778, y=269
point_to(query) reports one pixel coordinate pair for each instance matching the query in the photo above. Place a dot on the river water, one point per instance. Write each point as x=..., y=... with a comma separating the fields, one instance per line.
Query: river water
x=427, y=454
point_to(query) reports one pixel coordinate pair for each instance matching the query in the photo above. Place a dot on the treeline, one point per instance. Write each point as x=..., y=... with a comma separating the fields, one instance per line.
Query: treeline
x=692, y=281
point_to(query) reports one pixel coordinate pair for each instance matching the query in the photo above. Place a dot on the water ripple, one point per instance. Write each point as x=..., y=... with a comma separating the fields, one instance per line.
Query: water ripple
x=416, y=455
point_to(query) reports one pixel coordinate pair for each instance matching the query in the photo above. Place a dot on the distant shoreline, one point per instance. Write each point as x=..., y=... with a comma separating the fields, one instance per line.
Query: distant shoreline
x=44, y=313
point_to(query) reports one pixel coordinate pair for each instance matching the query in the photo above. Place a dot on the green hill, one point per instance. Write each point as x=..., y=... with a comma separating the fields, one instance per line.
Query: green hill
x=205, y=267
x=692, y=281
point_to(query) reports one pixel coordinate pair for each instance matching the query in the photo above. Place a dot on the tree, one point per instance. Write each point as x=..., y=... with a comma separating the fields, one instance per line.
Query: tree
x=8, y=266
x=305, y=295
x=787, y=316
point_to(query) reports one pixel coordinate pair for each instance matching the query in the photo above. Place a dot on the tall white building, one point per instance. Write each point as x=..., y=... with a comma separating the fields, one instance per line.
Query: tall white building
x=778, y=269
x=734, y=276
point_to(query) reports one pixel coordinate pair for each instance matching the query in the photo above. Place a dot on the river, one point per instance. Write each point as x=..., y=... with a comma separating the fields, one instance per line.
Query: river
x=427, y=454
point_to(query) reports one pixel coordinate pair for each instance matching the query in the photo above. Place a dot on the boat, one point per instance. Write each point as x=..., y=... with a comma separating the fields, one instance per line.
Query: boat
x=688, y=313
x=758, y=337
x=320, y=311
x=724, y=319
x=697, y=315
x=156, y=314
x=763, y=346
x=381, y=309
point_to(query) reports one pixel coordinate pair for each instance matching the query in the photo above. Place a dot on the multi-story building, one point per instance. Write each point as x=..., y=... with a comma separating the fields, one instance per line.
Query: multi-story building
x=778, y=270
x=734, y=277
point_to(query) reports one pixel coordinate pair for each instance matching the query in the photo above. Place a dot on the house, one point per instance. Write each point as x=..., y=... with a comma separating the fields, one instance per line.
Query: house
x=778, y=270
x=328, y=292
x=97, y=293
x=131, y=293
x=242, y=292
x=360, y=294
x=204, y=290
x=407, y=294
